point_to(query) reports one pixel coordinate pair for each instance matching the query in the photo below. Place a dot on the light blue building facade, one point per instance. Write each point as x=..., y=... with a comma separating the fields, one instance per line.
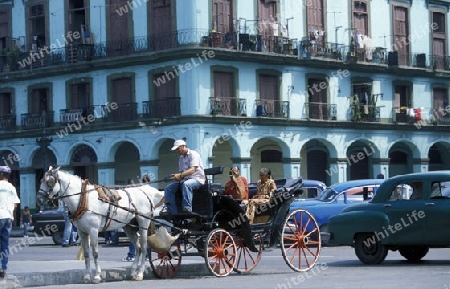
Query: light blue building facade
x=328, y=90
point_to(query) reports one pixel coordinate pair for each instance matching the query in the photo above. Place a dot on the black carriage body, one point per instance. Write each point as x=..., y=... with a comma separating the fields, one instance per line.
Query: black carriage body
x=219, y=223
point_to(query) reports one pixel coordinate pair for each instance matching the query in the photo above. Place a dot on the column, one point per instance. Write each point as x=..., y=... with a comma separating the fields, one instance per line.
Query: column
x=291, y=167
x=384, y=168
x=424, y=164
x=106, y=176
x=380, y=166
x=28, y=188
x=245, y=165
x=151, y=169
x=341, y=176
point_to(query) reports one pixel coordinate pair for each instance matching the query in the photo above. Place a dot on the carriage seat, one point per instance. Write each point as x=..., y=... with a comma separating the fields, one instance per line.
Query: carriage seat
x=202, y=203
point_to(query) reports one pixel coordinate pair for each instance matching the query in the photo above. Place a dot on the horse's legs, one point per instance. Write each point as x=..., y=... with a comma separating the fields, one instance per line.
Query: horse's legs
x=133, y=236
x=94, y=245
x=142, y=244
x=85, y=243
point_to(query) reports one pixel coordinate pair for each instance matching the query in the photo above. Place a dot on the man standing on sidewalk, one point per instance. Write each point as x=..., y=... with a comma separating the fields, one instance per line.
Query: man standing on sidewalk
x=8, y=202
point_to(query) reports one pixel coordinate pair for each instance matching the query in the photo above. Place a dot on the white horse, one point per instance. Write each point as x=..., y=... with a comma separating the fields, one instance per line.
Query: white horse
x=91, y=215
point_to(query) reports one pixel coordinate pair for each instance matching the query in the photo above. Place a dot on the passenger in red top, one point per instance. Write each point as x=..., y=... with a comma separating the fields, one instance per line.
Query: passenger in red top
x=237, y=186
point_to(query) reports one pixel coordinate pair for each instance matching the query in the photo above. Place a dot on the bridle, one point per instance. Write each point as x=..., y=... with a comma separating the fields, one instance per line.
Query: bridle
x=51, y=183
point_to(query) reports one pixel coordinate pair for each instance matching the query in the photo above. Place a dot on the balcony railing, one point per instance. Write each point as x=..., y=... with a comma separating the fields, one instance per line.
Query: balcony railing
x=228, y=106
x=123, y=112
x=161, y=108
x=7, y=122
x=321, y=49
x=37, y=120
x=407, y=115
x=440, y=116
x=71, y=115
x=361, y=112
x=272, y=108
x=319, y=110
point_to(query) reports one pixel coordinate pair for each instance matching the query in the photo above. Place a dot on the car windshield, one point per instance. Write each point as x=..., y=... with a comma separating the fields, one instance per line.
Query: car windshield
x=328, y=195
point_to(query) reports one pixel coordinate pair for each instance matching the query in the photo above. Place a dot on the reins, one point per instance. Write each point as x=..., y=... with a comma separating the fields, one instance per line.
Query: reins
x=83, y=205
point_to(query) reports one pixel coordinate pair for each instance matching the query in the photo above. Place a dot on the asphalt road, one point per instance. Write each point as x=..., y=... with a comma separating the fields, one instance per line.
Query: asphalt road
x=338, y=267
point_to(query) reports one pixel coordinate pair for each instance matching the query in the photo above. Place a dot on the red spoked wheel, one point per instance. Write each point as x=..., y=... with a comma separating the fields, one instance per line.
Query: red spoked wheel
x=300, y=240
x=166, y=264
x=247, y=260
x=220, y=253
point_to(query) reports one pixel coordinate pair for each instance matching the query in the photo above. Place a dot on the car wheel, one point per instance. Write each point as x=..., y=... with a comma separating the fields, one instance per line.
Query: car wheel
x=369, y=249
x=57, y=237
x=413, y=254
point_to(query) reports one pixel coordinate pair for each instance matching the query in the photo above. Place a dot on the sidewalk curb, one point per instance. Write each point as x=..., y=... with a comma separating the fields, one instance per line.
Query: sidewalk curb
x=107, y=275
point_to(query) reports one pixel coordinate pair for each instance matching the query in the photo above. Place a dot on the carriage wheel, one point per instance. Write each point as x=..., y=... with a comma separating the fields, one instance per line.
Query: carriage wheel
x=220, y=253
x=300, y=240
x=166, y=264
x=247, y=260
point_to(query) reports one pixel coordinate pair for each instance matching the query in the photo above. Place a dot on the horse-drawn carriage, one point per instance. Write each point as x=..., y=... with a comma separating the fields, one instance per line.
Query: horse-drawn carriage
x=217, y=229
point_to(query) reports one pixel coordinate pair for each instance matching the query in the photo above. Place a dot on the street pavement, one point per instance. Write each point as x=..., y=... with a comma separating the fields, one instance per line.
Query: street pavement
x=36, y=261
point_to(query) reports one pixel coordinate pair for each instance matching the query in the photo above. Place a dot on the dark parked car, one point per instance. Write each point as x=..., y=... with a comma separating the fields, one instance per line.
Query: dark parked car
x=337, y=197
x=410, y=213
x=49, y=223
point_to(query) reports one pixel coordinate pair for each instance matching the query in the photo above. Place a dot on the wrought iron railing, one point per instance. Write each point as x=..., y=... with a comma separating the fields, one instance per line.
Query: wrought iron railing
x=439, y=62
x=85, y=115
x=37, y=120
x=321, y=49
x=361, y=112
x=228, y=106
x=406, y=115
x=440, y=116
x=320, y=110
x=7, y=122
x=161, y=108
x=120, y=112
x=272, y=108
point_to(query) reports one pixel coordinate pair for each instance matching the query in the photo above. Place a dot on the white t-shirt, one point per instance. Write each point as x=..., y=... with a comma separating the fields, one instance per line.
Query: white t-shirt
x=8, y=197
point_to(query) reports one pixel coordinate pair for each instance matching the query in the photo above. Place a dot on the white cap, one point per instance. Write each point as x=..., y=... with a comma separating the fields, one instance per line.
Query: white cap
x=178, y=143
x=5, y=169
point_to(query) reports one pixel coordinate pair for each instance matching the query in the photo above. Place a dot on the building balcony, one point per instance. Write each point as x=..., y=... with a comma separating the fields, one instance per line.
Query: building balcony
x=439, y=62
x=272, y=108
x=321, y=111
x=440, y=116
x=407, y=115
x=320, y=49
x=161, y=108
x=228, y=106
x=123, y=112
x=8, y=122
x=37, y=120
x=275, y=45
x=366, y=113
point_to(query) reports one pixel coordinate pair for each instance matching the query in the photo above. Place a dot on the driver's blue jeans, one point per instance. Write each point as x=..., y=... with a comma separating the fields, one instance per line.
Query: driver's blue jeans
x=170, y=194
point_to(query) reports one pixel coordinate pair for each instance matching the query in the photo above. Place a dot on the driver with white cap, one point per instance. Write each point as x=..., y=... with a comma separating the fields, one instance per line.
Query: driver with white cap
x=191, y=175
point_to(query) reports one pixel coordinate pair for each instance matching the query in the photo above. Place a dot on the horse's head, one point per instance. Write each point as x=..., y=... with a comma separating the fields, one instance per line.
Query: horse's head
x=50, y=185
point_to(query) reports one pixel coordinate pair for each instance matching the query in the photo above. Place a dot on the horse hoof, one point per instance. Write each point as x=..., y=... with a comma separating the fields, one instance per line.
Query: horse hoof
x=87, y=281
x=96, y=281
x=137, y=278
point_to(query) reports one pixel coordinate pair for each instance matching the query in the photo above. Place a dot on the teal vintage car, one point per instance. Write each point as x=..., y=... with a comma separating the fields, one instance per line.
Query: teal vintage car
x=410, y=213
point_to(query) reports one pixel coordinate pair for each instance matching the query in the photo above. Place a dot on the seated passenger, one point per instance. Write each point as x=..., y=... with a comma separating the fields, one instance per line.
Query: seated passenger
x=237, y=186
x=266, y=187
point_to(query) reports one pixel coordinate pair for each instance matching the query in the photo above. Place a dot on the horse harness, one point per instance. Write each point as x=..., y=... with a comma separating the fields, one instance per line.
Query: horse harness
x=106, y=195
